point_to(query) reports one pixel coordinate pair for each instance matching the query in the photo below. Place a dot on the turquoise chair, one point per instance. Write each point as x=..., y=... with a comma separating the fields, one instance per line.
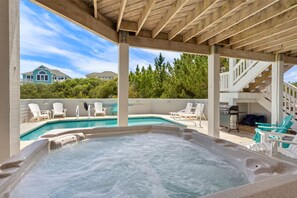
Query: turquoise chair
x=114, y=109
x=265, y=126
x=282, y=129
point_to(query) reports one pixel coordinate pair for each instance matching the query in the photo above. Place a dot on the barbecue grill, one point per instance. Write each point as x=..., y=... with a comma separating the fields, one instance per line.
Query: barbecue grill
x=229, y=117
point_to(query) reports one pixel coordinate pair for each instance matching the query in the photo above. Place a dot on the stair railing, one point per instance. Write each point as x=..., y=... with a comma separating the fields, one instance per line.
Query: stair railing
x=241, y=68
x=289, y=98
x=224, y=81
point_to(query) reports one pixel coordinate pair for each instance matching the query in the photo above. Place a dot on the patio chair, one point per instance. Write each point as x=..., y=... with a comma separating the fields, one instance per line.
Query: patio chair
x=99, y=110
x=58, y=110
x=275, y=145
x=291, y=151
x=37, y=113
x=114, y=109
x=187, y=110
x=265, y=125
x=283, y=128
x=201, y=112
x=264, y=145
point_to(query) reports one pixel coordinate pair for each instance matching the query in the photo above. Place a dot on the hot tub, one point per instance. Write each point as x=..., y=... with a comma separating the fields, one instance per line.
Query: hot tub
x=149, y=161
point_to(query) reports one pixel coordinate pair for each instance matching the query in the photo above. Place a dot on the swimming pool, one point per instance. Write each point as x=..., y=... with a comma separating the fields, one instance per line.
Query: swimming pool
x=70, y=124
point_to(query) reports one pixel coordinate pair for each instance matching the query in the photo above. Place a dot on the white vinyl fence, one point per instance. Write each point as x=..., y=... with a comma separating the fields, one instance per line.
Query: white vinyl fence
x=136, y=106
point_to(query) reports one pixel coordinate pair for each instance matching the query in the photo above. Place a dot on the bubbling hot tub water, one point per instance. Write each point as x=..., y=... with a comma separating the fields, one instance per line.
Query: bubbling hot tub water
x=143, y=165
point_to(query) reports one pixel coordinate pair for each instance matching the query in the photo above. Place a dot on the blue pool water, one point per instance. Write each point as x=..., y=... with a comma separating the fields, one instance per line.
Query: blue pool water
x=66, y=124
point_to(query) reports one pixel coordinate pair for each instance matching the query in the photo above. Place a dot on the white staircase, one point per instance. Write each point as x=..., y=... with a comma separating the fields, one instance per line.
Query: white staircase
x=241, y=75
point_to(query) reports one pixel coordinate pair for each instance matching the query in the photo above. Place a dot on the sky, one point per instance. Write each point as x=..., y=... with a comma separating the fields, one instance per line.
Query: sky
x=49, y=40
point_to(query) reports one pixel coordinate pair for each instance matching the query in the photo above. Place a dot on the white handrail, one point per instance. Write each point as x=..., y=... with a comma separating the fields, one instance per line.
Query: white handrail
x=289, y=98
x=224, y=81
x=241, y=68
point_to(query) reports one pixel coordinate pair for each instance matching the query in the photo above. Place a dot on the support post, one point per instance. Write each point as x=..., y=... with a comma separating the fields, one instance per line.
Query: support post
x=123, y=79
x=232, y=63
x=277, y=85
x=10, y=78
x=214, y=92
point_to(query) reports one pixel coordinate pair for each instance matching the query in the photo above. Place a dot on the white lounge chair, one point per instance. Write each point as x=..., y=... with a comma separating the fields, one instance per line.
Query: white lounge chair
x=99, y=110
x=37, y=113
x=196, y=114
x=187, y=110
x=58, y=110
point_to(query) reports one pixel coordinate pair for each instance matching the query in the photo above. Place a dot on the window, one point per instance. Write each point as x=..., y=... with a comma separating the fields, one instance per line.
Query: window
x=42, y=76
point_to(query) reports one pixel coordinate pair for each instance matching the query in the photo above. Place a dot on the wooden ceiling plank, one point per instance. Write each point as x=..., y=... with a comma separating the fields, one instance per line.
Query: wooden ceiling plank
x=226, y=9
x=174, y=9
x=274, y=39
x=145, y=13
x=95, y=9
x=292, y=38
x=276, y=25
x=121, y=13
x=284, y=47
x=194, y=15
x=257, y=18
x=236, y=18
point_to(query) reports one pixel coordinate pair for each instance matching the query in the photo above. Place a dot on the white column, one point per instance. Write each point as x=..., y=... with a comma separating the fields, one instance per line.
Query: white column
x=10, y=78
x=232, y=63
x=277, y=89
x=214, y=92
x=123, y=80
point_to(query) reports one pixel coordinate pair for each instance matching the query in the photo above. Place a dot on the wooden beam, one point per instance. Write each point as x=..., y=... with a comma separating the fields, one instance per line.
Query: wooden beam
x=273, y=40
x=231, y=53
x=175, y=8
x=121, y=13
x=160, y=44
x=290, y=60
x=95, y=8
x=267, y=13
x=226, y=9
x=194, y=15
x=273, y=26
x=72, y=12
x=145, y=13
x=128, y=26
x=236, y=18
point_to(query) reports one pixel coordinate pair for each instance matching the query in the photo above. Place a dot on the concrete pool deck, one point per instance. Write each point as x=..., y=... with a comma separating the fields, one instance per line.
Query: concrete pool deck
x=242, y=138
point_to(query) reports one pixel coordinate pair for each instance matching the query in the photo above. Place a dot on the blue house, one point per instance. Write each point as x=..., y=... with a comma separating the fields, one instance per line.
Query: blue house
x=43, y=74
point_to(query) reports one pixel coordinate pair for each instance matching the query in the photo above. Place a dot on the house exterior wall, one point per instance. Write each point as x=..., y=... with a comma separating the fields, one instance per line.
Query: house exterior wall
x=35, y=73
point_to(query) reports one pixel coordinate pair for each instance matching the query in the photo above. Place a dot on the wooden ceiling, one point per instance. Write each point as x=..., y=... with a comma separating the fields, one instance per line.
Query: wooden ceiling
x=243, y=28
